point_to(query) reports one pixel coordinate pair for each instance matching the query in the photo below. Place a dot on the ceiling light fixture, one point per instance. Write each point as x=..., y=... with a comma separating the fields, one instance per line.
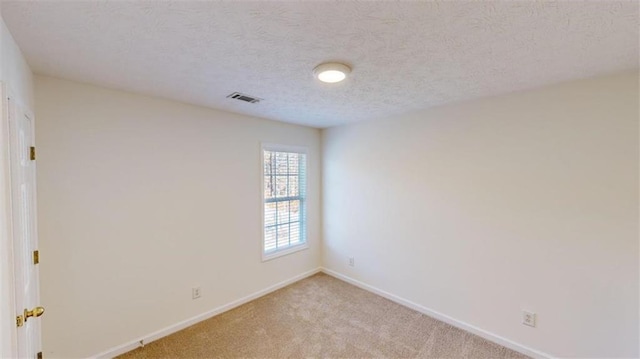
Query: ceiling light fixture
x=331, y=72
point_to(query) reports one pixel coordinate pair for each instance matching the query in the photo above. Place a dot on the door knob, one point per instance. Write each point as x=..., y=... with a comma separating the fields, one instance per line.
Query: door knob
x=35, y=312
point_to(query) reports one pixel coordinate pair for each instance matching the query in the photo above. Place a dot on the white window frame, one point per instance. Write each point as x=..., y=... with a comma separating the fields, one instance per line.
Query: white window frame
x=296, y=248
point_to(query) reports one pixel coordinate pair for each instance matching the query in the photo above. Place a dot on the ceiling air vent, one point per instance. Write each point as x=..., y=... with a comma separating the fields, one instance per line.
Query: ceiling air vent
x=244, y=97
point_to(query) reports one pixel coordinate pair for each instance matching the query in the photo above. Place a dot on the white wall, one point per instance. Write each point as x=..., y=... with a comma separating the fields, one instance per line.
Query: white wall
x=140, y=199
x=17, y=78
x=14, y=70
x=480, y=210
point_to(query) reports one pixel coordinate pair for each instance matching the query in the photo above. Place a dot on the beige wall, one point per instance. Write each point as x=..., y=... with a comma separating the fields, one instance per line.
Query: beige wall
x=481, y=210
x=140, y=199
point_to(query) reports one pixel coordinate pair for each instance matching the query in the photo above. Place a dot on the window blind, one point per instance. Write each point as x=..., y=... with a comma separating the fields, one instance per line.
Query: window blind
x=284, y=199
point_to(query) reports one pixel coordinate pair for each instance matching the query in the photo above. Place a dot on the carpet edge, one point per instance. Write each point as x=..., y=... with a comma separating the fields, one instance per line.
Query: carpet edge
x=441, y=317
x=141, y=341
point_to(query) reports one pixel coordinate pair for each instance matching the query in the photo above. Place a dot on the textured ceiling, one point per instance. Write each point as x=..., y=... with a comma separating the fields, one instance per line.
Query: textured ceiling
x=406, y=56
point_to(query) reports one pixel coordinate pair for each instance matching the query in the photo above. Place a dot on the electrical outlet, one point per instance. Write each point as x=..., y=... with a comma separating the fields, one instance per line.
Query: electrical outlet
x=352, y=261
x=195, y=293
x=529, y=318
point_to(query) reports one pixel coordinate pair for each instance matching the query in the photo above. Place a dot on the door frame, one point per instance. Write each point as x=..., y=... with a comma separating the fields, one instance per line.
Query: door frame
x=8, y=328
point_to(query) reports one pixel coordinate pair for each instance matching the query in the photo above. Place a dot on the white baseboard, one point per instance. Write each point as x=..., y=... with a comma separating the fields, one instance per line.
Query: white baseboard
x=442, y=317
x=121, y=349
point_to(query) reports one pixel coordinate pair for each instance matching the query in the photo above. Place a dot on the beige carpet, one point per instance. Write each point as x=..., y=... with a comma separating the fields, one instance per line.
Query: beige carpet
x=322, y=317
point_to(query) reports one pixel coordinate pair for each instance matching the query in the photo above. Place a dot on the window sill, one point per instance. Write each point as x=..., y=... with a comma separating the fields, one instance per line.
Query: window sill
x=284, y=252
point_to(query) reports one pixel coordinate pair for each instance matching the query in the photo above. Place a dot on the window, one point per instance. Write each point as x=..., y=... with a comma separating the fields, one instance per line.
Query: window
x=284, y=204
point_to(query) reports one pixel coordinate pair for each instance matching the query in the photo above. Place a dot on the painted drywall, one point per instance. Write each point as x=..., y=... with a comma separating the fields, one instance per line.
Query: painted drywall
x=14, y=70
x=16, y=76
x=141, y=199
x=480, y=210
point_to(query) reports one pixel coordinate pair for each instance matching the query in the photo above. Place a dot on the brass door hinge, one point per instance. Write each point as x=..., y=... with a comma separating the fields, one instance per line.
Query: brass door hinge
x=36, y=257
x=32, y=153
x=19, y=321
x=39, y=355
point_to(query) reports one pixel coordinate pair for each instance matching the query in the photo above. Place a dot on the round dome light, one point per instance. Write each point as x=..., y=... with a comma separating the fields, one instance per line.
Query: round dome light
x=331, y=72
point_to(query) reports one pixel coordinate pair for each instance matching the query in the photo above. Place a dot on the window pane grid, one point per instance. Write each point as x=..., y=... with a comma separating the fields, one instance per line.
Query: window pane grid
x=280, y=224
x=284, y=203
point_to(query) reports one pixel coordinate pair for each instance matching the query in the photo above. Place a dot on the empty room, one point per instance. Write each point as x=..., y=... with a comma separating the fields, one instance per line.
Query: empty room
x=319, y=179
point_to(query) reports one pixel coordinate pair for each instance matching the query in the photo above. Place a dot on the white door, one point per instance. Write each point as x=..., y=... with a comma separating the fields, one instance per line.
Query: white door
x=25, y=237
